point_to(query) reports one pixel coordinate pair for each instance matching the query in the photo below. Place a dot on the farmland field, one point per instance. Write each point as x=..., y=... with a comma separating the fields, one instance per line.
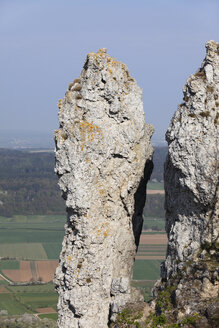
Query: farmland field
x=9, y=264
x=155, y=186
x=45, y=269
x=33, y=251
x=11, y=304
x=39, y=239
x=149, y=223
x=53, y=316
x=158, y=239
x=23, y=274
x=146, y=269
x=52, y=250
x=21, y=299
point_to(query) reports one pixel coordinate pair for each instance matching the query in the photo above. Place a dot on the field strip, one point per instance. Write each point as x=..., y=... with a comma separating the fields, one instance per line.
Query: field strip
x=46, y=269
x=152, y=257
x=151, y=253
x=33, y=251
x=154, y=192
x=4, y=278
x=46, y=310
x=22, y=275
x=158, y=239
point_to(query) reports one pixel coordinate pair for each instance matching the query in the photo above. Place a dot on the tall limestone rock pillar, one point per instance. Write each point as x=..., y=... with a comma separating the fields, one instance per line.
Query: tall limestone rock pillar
x=191, y=186
x=103, y=160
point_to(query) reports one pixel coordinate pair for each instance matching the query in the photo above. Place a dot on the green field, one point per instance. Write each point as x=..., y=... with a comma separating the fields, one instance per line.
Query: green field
x=155, y=186
x=33, y=251
x=150, y=223
x=146, y=269
x=12, y=304
x=9, y=265
x=39, y=300
x=53, y=316
x=21, y=299
x=52, y=250
x=40, y=237
x=47, y=288
x=32, y=229
x=34, y=237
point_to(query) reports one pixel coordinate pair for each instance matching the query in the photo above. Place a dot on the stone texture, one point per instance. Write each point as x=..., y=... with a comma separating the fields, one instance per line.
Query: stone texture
x=103, y=160
x=191, y=187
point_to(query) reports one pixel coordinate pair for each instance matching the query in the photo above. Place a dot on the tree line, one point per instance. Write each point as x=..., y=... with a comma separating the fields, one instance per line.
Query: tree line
x=28, y=184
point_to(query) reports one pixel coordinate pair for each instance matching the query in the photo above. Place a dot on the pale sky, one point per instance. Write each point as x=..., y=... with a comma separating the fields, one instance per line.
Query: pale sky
x=44, y=44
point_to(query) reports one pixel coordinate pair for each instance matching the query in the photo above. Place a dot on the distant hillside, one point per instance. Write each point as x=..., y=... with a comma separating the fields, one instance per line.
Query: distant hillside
x=159, y=157
x=28, y=184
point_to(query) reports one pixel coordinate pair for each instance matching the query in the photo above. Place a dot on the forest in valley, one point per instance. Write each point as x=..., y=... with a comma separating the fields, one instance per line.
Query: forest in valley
x=28, y=185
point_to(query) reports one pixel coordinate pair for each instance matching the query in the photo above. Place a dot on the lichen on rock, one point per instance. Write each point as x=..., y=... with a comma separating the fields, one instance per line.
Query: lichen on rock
x=191, y=193
x=103, y=160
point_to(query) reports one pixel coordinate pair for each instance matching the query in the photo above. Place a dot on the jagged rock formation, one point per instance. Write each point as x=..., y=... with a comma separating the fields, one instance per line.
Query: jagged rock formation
x=192, y=203
x=103, y=159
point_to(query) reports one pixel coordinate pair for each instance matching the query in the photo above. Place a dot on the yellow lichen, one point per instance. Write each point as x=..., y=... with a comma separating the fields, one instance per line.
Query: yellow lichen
x=106, y=233
x=60, y=103
x=88, y=131
x=69, y=258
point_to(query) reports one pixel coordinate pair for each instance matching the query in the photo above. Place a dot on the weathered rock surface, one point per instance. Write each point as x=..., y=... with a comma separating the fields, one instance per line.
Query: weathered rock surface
x=103, y=160
x=191, y=186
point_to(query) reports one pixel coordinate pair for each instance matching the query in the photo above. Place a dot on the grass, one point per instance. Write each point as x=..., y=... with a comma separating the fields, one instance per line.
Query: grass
x=53, y=316
x=37, y=300
x=146, y=269
x=33, y=251
x=155, y=186
x=47, y=288
x=145, y=288
x=21, y=299
x=10, y=303
x=52, y=250
x=9, y=265
x=149, y=223
x=22, y=235
x=40, y=237
x=30, y=229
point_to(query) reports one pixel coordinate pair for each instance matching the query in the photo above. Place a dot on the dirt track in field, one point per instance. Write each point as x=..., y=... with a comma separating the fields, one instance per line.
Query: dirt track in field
x=156, y=239
x=46, y=269
x=154, y=192
x=46, y=310
x=21, y=275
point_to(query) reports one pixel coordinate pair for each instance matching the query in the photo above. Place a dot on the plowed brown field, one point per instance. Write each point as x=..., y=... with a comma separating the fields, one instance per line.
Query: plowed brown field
x=156, y=239
x=153, y=192
x=46, y=310
x=21, y=275
x=46, y=269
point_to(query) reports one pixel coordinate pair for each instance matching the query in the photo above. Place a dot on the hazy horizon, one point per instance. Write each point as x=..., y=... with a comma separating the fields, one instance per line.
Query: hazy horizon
x=45, y=43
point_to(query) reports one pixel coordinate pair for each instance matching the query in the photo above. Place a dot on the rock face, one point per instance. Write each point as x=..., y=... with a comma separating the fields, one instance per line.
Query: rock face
x=191, y=186
x=103, y=160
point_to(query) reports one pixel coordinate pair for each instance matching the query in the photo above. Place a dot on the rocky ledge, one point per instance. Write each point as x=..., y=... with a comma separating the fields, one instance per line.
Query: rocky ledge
x=189, y=284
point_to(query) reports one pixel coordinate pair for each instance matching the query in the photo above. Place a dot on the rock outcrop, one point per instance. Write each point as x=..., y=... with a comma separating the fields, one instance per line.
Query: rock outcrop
x=190, y=273
x=103, y=160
